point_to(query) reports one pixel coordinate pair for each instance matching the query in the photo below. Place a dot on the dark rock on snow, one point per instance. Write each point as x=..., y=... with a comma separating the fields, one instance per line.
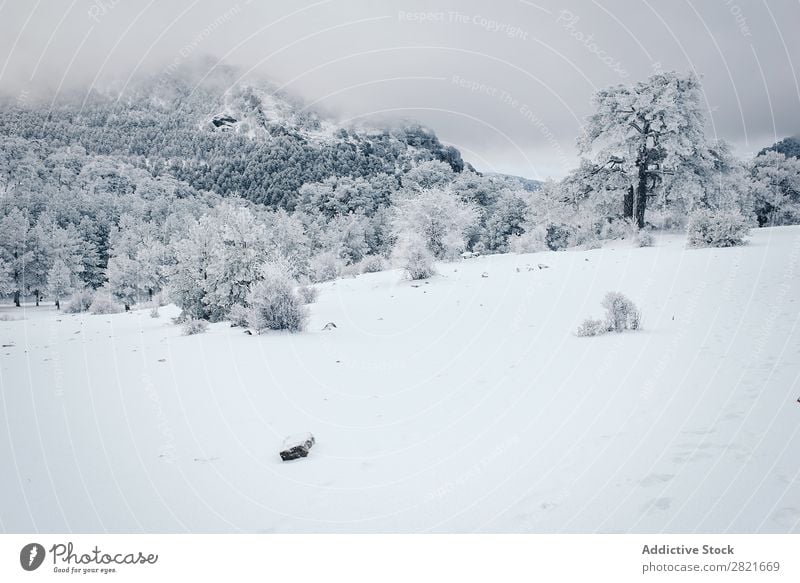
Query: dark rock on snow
x=297, y=446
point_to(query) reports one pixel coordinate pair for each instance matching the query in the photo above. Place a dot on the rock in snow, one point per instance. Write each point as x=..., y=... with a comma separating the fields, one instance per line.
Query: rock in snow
x=297, y=446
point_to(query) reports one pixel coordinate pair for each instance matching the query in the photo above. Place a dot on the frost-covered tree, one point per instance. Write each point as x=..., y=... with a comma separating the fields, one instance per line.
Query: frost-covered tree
x=287, y=242
x=217, y=262
x=437, y=217
x=39, y=261
x=711, y=179
x=505, y=219
x=776, y=188
x=645, y=131
x=66, y=245
x=342, y=195
x=789, y=147
x=63, y=258
x=6, y=279
x=428, y=175
x=188, y=280
x=348, y=237
x=60, y=281
x=238, y=252
x=152, y=261
x=124, y=280
x=136, y=267
x=15, y=248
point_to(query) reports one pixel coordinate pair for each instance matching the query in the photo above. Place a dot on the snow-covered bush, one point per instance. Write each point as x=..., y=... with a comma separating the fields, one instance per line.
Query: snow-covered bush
x=275, y=304
x=558, y=236
x=154, y=310
x=413, y=255
x=372, y=264
x=78, y=302
x=591, y=327
x=325, y=267
x=643, y=239
x=239, y=316
x=590, y=244
x=615, y=228
x=103, y=303
x=621, y=313
x=308, y=293
x=719, y=228
x=193, y=326
x=350, y=270
x=531, y=241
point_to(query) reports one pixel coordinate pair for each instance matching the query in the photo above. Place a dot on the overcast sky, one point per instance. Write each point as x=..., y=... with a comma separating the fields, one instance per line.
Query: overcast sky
x=508, y=82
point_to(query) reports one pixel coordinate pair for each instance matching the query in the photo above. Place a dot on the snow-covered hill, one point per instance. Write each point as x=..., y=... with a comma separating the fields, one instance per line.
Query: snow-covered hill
x=464, y=403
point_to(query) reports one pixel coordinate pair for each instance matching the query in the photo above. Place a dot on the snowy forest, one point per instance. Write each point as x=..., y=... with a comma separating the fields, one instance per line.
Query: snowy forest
x=228, y=198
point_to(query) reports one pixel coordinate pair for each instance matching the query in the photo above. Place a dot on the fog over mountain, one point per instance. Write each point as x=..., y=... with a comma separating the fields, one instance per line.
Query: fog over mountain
x=508, y=84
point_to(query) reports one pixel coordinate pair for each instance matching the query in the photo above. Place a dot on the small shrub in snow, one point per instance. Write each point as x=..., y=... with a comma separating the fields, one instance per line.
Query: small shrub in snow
x=593, y=244
x=154, y=311
x=621, y=313
x=104, y=303
x=274, y=303
x=78, y=302
x=616, y=229
x=193, y=326
x=592, y=327
x=308, y=294
x=325, y=267
x=643, y=239
x=413, y=256
x=372, y=264
x=351, y=270
x=239, y=315
x=716, y=229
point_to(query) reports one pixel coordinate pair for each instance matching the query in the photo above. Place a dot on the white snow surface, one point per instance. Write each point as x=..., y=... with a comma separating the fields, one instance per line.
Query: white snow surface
x=460, y=404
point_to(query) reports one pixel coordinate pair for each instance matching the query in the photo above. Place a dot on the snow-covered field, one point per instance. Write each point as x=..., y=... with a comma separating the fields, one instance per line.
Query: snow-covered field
x=464, y=403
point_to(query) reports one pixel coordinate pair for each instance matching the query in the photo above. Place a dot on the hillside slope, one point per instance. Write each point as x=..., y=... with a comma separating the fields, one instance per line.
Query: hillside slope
x=215, y=130
x=464, y=403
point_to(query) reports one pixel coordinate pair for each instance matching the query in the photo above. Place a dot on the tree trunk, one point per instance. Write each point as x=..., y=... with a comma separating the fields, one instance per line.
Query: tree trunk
x=641, y=195
x=127, y=308
x=627, y=204
x=58, y=304
x=150, y=294
x=36, y=295
x=16, y=298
